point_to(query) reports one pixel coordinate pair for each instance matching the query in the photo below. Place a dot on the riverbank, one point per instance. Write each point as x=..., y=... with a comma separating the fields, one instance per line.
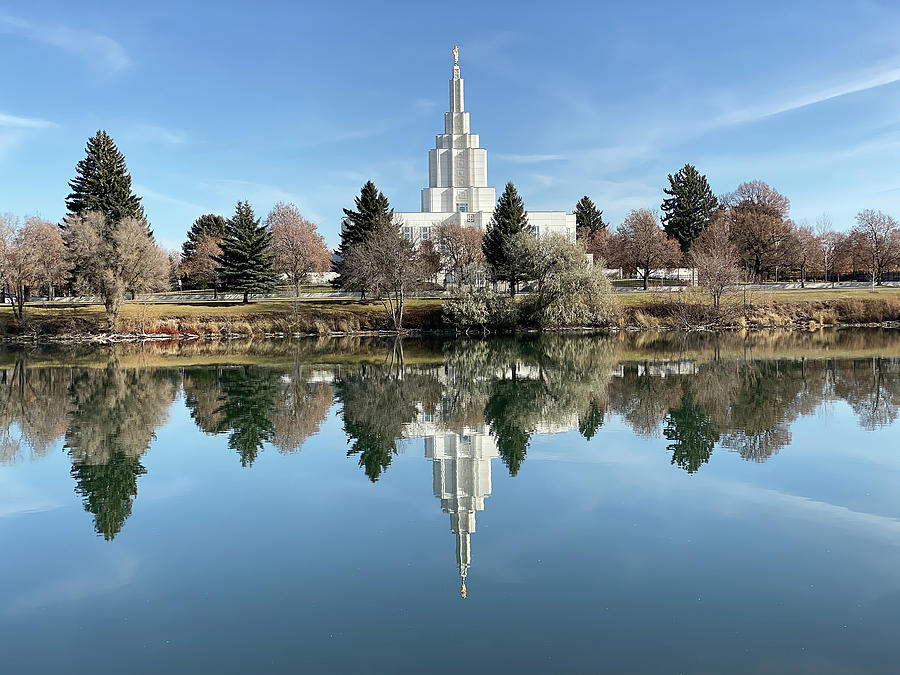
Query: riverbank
x=653, y=310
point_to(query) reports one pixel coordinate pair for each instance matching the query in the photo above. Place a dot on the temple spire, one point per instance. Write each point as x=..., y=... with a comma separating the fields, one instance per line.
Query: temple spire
x=456, y=85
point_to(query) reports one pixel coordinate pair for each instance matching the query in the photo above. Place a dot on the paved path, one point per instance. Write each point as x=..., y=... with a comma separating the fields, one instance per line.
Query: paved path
x=338, y=295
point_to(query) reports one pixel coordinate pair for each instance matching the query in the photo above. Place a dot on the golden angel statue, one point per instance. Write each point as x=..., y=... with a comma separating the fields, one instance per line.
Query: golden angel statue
x=455, y=51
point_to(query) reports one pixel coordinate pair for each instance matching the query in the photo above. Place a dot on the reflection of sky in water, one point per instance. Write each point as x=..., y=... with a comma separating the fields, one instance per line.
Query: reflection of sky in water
x=597, y=555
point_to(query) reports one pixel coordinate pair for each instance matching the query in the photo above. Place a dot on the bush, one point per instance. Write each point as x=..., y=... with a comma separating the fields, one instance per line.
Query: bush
x=481, y=309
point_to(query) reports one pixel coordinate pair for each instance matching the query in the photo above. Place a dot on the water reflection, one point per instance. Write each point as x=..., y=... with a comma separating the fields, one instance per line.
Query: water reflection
x=470, y=400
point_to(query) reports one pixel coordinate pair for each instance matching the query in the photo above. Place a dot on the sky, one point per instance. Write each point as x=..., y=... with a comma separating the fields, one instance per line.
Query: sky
x=212, y=103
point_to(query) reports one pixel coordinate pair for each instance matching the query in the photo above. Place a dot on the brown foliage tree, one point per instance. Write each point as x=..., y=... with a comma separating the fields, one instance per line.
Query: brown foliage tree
x=32, y=257
x=760, y=228
x=643, y=245
x=387, y=264
x=716, y=259
x=460, y=251
x=112, y=258
x=203, y=264
x=299, y=249
x=878, y=236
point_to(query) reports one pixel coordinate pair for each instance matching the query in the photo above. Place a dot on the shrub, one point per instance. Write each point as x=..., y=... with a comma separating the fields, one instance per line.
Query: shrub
x=483, y=309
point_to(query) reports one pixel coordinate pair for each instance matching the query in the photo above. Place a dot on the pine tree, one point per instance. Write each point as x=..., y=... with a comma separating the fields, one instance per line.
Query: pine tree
x=208, y=224
x=102, y=183
x=359, y=225
x=247, y=258
x=588, y=218
x=506, y=242
x=689, y=206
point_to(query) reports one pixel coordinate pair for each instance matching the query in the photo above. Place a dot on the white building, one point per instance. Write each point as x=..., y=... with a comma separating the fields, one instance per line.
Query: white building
x=458, y=189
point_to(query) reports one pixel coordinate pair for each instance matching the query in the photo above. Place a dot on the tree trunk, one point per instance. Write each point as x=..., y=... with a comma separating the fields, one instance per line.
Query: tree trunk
x=246, y=297
x=297, y=288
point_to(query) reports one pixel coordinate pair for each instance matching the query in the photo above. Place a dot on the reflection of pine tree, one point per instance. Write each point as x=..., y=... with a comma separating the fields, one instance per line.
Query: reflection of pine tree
x=115, y=413
x=248, y=395
x=108, y=490
x=590, y=422
x=693, y=433
x=507, y=411
x=376, y=403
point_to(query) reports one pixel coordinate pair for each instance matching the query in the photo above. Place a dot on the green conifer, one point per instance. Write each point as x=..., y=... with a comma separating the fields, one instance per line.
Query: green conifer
x=690, y=205
x=506, y=243
x=102, y=183
x=247, y=258
x=208, y=224
x=588, y=218
x=359, y=225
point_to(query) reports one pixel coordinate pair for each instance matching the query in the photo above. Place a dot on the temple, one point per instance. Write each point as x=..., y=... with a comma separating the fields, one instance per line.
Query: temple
x=458, y=189
x=461, y=464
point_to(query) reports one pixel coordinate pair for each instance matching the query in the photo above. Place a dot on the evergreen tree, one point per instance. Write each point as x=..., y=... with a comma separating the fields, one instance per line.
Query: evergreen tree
x=689, y=206
x=371, y=207
x=102, y=183
x=506, y=243
x=108, y=490
x=588, y=218
x=208, y=224
x=247, y=257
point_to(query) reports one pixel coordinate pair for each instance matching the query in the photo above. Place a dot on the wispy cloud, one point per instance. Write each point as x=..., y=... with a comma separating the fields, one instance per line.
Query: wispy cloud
x=148, y=193
x=856, y=83
x=154, y=133
x=99, y=50
x=24, y=122
x=528, y=159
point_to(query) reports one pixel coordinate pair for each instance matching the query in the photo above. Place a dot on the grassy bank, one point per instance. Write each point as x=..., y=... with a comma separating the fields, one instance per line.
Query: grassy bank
x=319, y=317
x=650, y=310
x=766, y=309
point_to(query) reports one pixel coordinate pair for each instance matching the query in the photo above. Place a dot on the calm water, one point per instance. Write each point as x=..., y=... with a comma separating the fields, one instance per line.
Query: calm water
x=655, y=504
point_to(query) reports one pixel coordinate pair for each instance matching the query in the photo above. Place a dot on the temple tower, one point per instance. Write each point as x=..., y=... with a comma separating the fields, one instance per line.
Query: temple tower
x=457, y=166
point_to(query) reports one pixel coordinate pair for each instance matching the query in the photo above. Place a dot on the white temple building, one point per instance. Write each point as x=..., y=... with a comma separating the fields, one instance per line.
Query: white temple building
x=461, y=464
x=458, y=189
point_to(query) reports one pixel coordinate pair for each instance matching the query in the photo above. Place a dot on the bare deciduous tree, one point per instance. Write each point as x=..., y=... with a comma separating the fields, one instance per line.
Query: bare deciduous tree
x=878, y=235
x=31, y=258
x=828, y=240
x=203, y=262
x=112, y=258
x=387, y=264
x=643, y=244
x=460, y=250
x=760, y=228
x=430, y=259
x=717, y=259
x=808, y=253
x=299, y=249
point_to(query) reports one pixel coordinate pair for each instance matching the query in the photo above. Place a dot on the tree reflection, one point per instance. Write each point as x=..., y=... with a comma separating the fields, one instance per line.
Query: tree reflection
x=114, y=416
x=693, y=434
x=246, y=404
x=504, y=391
x=376, y=403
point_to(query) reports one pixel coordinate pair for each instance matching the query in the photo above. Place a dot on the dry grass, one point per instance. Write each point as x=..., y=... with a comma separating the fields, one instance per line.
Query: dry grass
x=222, y=318
x=655, y=309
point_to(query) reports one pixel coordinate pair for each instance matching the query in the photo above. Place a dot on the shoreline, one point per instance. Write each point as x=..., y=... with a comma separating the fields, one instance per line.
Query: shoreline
x=190, y=322
x=134, y=338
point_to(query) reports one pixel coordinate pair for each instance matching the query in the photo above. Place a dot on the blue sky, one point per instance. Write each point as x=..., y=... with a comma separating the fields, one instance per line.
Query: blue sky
x=303, y=102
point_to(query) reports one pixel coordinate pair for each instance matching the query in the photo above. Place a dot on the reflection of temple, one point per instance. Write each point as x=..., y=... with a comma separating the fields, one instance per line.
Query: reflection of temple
x=462, y=479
